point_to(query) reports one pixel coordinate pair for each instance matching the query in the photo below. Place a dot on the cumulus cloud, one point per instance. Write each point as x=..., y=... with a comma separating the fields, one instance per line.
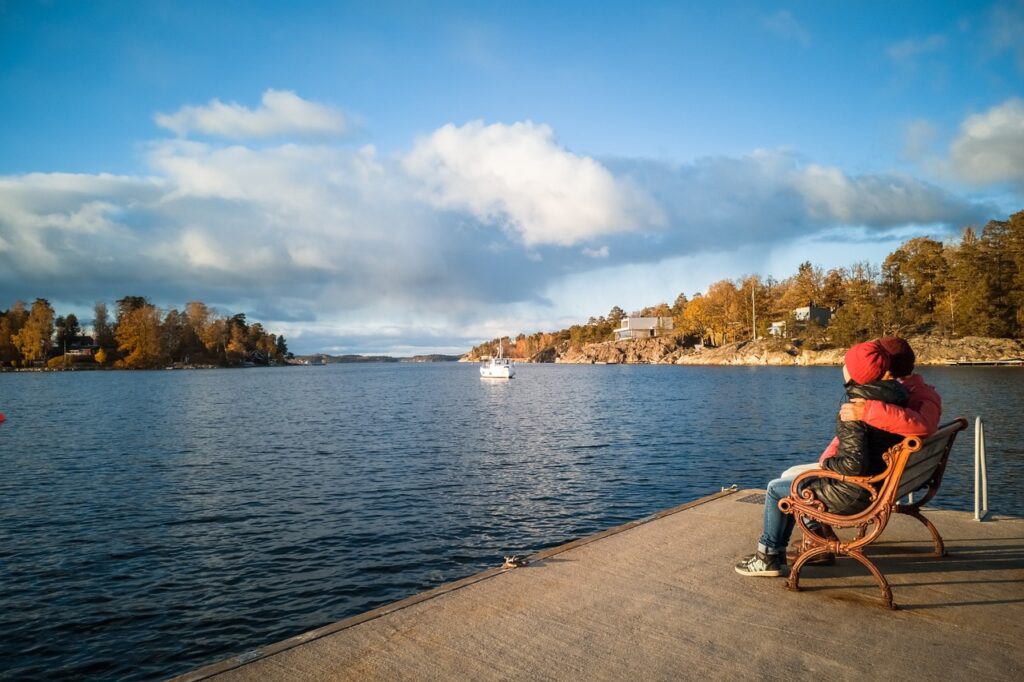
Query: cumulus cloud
x=784, y=25
x=990, y=145
x=519, y=176
x=472, y=225
x=775, y=196
x=281, y=113
x=883, y=201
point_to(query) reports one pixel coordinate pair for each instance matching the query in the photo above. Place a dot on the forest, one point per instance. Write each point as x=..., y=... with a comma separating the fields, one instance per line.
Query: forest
x=140, y=336
x=970, y=286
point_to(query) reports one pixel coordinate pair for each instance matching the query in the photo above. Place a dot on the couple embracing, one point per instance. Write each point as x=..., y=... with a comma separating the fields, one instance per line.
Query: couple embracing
x=887, y=402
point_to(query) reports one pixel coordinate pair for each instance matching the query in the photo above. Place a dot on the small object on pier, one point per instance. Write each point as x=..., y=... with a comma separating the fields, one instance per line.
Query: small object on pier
x=729, y=489
x=514, y=562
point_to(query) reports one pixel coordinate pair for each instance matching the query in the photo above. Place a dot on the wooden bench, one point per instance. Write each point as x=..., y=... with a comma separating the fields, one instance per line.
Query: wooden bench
x=911, y=465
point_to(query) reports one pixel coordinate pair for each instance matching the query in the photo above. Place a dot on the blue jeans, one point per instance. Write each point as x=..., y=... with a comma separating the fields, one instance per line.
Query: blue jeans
x=778, y=527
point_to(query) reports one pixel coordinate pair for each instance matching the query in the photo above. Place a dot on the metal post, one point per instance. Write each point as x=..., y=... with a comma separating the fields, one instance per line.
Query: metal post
x=980, y=472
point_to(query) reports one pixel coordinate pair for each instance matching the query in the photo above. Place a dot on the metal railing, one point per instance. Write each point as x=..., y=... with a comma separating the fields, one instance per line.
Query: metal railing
x=980, y=472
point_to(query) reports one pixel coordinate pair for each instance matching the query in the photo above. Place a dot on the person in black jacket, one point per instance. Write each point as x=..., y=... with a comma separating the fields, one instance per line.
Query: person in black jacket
x=866, y=372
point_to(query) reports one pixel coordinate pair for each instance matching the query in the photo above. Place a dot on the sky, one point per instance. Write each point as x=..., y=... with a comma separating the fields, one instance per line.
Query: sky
x=404, y=178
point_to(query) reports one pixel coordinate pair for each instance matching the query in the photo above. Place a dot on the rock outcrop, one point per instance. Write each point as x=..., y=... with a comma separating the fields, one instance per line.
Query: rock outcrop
x=936, y=350
x=628, y=351
x=930, y=350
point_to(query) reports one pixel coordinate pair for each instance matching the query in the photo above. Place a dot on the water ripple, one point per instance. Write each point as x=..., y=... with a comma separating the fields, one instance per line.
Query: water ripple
x=152, y=522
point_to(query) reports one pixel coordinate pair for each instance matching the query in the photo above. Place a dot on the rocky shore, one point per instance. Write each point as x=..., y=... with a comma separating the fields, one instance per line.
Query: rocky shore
x=930, y=350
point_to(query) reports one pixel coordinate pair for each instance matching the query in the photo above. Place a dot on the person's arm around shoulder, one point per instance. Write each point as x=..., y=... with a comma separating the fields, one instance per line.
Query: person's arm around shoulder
x=920, y=417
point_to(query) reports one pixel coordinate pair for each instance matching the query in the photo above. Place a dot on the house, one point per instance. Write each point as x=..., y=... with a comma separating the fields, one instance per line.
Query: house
x=801, y=317
x=634, y=327
x=813, y=313
x=82, y=345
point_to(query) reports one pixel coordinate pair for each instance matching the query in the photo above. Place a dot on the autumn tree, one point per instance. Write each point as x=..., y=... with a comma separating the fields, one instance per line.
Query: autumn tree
x=11, y=323
x=34, y=339
x=833, y=293
x=913, y=285
x=139, y=337
x=804, y=287
x=859, y=319
x=726, y=314
x=696, y=319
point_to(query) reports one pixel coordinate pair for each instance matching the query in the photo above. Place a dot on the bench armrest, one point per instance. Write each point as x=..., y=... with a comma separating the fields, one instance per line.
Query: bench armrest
x=860, y=481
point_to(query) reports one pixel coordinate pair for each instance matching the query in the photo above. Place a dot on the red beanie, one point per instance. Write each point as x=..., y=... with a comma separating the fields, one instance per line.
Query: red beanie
x=867, y=362
x=901, y=355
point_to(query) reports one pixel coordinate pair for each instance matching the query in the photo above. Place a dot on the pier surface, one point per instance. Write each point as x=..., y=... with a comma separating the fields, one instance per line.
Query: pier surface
x=659, y=599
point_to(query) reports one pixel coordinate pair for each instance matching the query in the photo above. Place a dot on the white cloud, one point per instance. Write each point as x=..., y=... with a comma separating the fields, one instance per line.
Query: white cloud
x=990, y=145
x=784, y=25
x=518, y=176
x=471, y=230
x=881, y=200
x=281, y=113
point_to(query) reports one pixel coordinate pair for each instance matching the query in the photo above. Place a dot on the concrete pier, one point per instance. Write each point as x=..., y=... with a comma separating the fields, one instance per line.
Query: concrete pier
x=658, y=599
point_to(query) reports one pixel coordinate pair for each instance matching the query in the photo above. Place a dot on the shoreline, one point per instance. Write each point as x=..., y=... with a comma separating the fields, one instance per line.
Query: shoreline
x=930, y=351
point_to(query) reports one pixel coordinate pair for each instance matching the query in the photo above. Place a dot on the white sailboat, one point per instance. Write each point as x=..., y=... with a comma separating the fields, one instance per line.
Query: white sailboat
x=499, y=367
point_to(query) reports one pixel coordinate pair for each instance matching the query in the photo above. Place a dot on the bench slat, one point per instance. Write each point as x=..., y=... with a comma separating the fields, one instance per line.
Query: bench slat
x=919, y=462
x=921, y=467
x=908, y=486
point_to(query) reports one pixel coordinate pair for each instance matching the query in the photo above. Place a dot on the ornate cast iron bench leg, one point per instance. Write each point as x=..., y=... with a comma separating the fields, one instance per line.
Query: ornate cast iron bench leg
x=793, y=582
x=882, y=582
x=940, y=547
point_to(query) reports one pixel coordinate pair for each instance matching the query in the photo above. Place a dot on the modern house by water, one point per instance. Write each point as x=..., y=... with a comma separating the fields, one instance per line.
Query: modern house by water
x=636, y=327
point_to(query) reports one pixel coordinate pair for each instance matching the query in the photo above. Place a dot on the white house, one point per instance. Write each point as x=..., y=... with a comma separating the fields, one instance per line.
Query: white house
x=642, y=327
x=808, y=313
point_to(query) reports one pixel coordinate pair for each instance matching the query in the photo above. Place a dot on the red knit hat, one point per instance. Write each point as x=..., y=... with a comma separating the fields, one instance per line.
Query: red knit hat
x=902, y=356
x=867, y=362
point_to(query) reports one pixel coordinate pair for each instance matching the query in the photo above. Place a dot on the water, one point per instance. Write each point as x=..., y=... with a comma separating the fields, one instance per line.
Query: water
x=153, y=522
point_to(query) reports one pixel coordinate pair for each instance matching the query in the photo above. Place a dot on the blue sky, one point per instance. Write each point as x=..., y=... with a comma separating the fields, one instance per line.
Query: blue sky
x=406, y=177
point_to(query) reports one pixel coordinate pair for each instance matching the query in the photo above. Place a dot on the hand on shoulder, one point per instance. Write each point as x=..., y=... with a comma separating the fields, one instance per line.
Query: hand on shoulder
x=852, y=411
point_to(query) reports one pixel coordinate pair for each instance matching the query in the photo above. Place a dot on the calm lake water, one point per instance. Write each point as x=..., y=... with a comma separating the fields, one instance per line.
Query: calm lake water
x=153, y=522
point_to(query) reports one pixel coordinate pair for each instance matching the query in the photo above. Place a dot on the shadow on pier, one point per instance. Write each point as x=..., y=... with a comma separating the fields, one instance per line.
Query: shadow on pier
x=658, y=599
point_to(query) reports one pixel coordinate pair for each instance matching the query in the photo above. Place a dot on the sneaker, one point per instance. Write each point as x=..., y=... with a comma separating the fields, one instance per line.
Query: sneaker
x=762, y=564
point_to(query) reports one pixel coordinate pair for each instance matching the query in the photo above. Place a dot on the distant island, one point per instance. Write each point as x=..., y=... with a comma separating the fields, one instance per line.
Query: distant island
x=324, y=359
x=139, y=335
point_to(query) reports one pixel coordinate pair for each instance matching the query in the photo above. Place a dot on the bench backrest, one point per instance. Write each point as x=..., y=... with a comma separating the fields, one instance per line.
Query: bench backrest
x=925, y=460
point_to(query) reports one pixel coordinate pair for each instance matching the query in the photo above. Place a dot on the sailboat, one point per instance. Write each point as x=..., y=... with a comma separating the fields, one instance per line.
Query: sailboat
x=499, y=367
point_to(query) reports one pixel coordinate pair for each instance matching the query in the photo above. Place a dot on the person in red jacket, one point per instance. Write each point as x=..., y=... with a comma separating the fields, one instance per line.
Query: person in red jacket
x=919, y=418
x=866, y=374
